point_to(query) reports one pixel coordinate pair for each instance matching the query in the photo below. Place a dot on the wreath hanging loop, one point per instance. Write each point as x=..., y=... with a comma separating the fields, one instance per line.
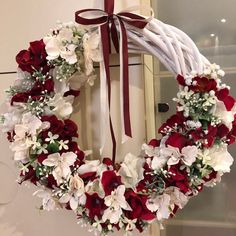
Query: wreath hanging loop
x=191, y=154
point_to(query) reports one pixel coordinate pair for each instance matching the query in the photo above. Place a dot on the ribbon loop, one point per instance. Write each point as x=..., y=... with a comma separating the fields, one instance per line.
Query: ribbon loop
x=108, y=22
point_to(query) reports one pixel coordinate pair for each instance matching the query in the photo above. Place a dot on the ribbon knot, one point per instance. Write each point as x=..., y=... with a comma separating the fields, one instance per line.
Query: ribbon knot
x=108, y=22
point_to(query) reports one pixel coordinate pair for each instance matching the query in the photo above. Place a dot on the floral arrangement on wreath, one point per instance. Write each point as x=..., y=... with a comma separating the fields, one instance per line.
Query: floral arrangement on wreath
x=191, y=154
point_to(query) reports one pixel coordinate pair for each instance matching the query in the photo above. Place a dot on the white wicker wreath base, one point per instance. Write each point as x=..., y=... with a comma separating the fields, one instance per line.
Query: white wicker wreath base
x=191, y=154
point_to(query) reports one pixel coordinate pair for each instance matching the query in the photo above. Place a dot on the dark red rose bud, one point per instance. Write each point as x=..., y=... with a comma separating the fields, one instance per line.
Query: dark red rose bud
x=154, y=143
x=20, y=97
x=107, y=161
x=181, y=80
x=70, y=129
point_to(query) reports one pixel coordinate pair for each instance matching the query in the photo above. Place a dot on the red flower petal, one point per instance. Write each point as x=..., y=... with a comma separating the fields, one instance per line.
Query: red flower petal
x=110, y=181
x=154, y=143
x=222, y=94
x=222, y=131
x=181, y=80
x=176, y=140
x=229, y=102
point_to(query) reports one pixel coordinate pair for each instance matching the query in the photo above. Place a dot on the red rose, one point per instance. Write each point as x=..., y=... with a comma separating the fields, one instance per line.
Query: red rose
x=177, y=119
x=73, y=147
x=222, y=131
x=154, y=143
x=51, y=182
x=203, y=84
x=107, y=161
x=95, y=205
x=48, y=85
x=70, y=129
x=41, y=158
x=211, y=176
x=34, y=58
x=178, y=178
x=110, y=181
x=181, y=80
x=29, y=175
x=56, y=126
x=176, y=140
x=229, y=102
x=20, y=97
x=138, y=205
x=210, y=136
x=40, y=88
x=222, y=94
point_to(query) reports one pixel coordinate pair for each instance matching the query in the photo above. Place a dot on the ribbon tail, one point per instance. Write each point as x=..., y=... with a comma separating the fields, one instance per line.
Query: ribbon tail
x=103, y=107
x=105, y=48
x=124, y=84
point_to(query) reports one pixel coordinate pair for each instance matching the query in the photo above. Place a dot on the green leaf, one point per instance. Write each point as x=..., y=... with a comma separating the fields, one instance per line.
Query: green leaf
x=37, y=171
x=53, y=147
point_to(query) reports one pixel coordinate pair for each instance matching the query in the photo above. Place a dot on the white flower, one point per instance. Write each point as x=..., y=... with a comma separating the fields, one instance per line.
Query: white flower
x=89, y=166
x=51, y=138
x=62, y=106
x=131, y=170
x=61, y=45
x=61, y=164
x=35, y=143
x=43, y=149
x=177, y=197
x=91, y=51
x=218, y=158
x=150, y=150
x=76, y=195
x=48, y=202
x=193, y=124
x=187, y=156
x=32, y=123
x=161, y=204
x=158, y=160
x=63, y=144
x=227, y=117
x=115, y=203
x=21, y=149
x=10, y=120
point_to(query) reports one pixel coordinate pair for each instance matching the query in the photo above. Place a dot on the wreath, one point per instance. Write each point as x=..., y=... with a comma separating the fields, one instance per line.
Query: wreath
x=108, y=196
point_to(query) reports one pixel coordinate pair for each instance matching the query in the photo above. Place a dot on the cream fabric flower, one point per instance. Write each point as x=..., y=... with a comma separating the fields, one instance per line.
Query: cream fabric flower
x=61, y=164
x=92, y=53
x=115, y=202
x=218, y=158
x=131, y=170
x=61, y=45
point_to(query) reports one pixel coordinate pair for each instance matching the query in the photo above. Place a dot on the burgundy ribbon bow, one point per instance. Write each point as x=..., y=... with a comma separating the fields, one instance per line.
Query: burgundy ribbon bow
x=109, y=31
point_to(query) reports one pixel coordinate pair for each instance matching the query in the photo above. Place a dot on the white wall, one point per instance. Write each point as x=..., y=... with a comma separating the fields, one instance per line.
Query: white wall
x=23, y=21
